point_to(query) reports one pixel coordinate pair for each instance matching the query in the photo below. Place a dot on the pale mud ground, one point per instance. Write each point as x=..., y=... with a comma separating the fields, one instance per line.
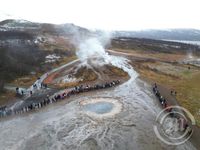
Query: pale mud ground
x=65, y=125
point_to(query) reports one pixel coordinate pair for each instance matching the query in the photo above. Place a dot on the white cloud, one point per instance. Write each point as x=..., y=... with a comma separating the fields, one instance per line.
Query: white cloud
x=108, y=14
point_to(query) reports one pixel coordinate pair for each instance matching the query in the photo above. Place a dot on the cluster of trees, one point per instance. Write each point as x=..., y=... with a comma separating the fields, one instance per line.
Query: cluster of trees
x=18, y=61
x=21, y=54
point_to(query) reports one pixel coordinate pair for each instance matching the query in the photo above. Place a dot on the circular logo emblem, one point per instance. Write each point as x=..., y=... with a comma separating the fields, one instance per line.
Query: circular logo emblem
x=174, y=125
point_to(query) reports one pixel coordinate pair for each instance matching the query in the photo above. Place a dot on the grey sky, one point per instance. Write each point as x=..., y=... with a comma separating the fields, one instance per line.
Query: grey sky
x=107, y=14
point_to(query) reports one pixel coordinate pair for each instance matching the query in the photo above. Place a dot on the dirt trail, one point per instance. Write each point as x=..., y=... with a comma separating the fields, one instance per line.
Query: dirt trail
x=171, y=99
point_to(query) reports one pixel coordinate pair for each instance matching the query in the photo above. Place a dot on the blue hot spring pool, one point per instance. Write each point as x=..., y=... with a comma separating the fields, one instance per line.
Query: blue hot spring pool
x=99, y=107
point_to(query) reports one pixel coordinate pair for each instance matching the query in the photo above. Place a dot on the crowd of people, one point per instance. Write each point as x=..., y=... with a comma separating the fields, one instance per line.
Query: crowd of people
x=165, y=105
x=3, y=108
x=22, y=92
x=161, y=99
x=57, y=97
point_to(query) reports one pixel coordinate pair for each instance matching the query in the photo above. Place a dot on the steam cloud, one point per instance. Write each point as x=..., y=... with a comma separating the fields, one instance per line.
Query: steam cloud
x=93, y=46
x=92, y=49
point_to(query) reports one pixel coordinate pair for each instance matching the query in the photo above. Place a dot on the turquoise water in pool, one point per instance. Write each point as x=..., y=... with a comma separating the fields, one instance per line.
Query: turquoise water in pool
x=99, y=107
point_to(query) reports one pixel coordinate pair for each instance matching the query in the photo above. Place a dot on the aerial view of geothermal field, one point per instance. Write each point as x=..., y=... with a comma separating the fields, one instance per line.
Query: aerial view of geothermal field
x=99, y=75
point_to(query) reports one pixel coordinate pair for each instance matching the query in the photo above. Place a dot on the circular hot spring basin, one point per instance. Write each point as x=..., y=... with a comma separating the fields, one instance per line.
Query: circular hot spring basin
x=101, y=107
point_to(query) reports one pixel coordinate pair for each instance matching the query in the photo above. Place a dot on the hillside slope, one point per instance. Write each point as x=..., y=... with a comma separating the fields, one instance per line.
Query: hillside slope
x=24, y=46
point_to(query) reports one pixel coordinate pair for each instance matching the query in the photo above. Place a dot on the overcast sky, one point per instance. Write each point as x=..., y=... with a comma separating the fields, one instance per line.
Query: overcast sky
x=107, y=14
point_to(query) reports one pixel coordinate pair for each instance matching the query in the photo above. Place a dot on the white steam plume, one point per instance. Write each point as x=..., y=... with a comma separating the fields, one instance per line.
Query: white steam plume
x=92, y=50
x=190, y=55
x=93, y=46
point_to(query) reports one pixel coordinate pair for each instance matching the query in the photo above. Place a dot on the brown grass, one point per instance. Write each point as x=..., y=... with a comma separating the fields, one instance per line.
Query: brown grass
x=172, y=76
x=26, y=81
x=187, y=85
x=154, y=55
x=86, y=74
x=68, y=85
x=115, y=71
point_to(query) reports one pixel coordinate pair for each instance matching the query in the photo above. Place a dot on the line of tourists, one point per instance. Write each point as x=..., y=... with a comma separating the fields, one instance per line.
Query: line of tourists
x=183, y=123
x=57, y=97
x=22, y=92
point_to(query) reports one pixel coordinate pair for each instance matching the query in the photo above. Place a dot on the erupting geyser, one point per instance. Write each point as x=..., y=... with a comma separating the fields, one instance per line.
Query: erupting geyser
x=92, y=51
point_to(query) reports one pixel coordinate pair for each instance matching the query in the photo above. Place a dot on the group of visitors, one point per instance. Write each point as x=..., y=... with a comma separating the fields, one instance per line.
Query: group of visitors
x=37, y=87
x=165, y=105
x=2, y=109
x=58, y=97
x=173, y=93
x=19, y=91
x=161, y=99
x=40, y=86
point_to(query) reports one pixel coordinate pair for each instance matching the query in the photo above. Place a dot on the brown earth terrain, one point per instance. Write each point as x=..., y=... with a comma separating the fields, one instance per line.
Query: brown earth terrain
x=84, y=75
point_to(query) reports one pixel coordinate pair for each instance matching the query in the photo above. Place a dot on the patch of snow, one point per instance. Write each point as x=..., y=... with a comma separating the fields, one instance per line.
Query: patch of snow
x=3, y=29
x=36, y=41
x=68, y=79
x=22, y=21
x=51, y=58
x=175, y=46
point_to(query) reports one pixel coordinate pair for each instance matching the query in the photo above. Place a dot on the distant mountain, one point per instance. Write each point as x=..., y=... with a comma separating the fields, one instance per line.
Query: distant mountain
x=172, y=34
x=20, y=33
x=4, y=16
x=41, y=28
